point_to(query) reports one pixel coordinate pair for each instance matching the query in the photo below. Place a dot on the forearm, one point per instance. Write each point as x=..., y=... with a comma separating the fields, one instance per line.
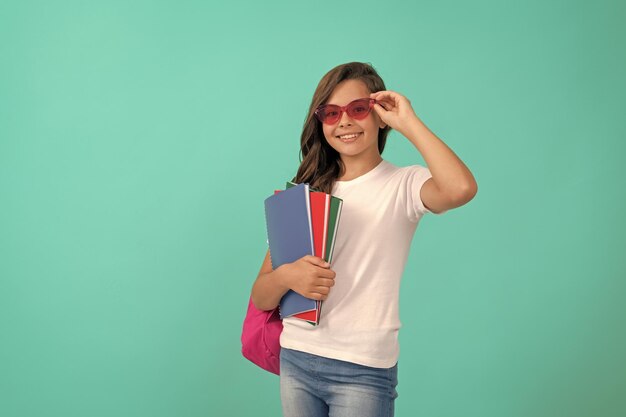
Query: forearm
x=268, y=289
x=449, y=173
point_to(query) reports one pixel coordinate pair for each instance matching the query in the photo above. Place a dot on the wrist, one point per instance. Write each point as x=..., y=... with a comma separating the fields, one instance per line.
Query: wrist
x=283, y=278
x=411, y=126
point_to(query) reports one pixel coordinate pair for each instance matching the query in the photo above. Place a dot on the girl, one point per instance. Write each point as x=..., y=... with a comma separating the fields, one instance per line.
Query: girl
x=347, y=366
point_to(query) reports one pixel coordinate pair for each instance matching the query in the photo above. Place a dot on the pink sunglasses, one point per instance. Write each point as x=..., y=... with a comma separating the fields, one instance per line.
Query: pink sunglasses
x=357, y=109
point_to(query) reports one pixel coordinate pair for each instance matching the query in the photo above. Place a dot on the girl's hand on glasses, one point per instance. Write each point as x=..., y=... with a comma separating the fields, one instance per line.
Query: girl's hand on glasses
x=394, y=109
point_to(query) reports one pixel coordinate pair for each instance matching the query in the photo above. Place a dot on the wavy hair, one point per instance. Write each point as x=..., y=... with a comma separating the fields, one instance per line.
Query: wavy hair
x=320, y=164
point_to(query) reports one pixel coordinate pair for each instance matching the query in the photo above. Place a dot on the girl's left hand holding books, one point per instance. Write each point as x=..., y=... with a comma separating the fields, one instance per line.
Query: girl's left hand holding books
x=394, y=109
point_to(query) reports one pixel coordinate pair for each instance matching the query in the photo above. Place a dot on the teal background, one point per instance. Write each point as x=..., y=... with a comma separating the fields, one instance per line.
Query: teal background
x=138, y=142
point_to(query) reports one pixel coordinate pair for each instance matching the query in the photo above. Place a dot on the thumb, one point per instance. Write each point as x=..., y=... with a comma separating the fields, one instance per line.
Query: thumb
x=316, y=260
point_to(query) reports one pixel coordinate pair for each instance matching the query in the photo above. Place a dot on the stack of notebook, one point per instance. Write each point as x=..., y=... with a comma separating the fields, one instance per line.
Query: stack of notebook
x=301, y=221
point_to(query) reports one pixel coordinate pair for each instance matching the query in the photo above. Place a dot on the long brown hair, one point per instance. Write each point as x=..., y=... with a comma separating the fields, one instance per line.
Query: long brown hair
x=320, y=164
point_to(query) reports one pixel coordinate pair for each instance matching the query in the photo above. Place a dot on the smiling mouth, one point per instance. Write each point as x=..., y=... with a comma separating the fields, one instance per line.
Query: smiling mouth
x=349, y=138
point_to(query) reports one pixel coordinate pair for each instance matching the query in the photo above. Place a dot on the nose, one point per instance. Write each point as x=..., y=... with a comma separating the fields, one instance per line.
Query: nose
x=345, y=119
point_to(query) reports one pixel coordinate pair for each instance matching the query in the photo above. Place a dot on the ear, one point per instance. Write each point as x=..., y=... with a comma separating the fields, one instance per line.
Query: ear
x=381, y=124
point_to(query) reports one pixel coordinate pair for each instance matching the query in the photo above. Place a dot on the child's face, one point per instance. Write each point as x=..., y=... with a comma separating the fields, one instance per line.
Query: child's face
x=366, y=143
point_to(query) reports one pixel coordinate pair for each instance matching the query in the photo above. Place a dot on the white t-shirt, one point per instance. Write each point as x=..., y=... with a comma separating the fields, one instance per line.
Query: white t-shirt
x=360, y=318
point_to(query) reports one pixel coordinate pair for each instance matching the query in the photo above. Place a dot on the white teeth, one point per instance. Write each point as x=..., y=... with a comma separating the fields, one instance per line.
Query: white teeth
x=349, y=136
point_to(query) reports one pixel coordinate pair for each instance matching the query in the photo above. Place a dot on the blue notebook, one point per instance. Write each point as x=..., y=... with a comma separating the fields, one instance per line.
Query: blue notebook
x=288, y=221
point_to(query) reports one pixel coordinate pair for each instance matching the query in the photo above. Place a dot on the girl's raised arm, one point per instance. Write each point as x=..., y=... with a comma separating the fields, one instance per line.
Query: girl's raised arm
x=452, y=184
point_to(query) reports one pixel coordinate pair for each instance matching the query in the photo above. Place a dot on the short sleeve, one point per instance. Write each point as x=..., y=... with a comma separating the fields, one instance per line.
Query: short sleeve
x=417, y=175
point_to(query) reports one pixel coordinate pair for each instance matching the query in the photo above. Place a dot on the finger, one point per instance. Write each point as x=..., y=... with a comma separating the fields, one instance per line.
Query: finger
x=316, y=296
x=325, y=282
x=384, y=93
x=328, y=274
x=316, y=260
x=390, y=97
x=321, y=290
x=382, y=107
x=379, y=95
x=324, y=274
x=382, y=96
x=385, y=99
x=330, y=282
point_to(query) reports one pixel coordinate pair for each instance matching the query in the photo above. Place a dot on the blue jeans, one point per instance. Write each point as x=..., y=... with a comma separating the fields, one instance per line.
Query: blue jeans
x=315, y=386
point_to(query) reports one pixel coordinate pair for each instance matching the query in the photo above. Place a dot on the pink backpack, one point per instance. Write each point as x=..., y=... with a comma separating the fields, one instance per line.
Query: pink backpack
x=260, y=338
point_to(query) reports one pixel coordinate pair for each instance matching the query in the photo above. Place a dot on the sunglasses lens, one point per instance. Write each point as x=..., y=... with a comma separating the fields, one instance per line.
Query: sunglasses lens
x=359, y=109
x=329, y=114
